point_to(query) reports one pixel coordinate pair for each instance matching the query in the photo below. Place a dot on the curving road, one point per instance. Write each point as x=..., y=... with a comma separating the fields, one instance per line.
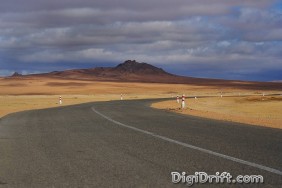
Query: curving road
x=129, y=144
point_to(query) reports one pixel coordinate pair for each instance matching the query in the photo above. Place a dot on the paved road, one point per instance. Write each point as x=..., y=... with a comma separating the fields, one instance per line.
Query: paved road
x=128, y=144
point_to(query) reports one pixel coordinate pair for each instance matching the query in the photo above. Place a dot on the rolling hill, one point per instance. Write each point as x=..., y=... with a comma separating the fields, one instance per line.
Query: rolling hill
x=133, y=71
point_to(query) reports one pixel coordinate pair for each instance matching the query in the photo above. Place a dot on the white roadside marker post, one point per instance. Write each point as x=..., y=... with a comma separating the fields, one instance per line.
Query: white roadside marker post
x=177, y=99
x=121, y=98
x=60, y=100
x=183, y=101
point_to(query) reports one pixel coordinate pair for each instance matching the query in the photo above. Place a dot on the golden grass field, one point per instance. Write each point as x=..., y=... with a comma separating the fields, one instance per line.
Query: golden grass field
x=31, y=93
x=255, y=110
x=16, y=103
x=51, y=86
x=18, y=94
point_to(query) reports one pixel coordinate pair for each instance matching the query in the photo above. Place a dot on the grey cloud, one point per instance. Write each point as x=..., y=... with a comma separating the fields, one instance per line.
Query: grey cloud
x=31, y=5
x=218, y=34
x=193, y=31
x=57, y=13
x=255, y=24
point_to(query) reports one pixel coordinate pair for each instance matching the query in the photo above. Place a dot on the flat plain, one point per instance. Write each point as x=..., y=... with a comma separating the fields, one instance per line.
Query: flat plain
x=246, y=105
x=256, y=110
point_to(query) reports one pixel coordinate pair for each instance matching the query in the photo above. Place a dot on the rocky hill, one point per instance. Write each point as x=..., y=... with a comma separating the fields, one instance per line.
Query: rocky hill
x=133, y=71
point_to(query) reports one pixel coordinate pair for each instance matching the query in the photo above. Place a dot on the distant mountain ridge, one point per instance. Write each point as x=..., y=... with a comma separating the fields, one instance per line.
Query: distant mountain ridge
x=130, y=66
x=133, y=71
x=16, y=74
x=129, y=70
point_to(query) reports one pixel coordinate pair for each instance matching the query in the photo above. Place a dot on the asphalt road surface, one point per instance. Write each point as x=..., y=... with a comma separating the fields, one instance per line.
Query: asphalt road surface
x=129, y=144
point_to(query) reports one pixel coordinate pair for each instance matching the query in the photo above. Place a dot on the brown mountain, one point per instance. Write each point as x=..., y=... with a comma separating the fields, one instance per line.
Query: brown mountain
x=132, y=71
x=16, y=74
x=133, y=67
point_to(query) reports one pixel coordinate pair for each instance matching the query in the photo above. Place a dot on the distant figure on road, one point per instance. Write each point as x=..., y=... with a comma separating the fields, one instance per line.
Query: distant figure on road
x=60, y=100
x=183, y=101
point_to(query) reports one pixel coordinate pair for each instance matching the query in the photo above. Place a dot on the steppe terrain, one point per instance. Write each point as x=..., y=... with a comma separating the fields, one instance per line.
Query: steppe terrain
x=255, y=110
x=17, y=94
x=140, y=80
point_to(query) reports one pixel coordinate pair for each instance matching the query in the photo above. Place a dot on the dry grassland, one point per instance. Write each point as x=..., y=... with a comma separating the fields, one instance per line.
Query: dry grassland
x=25, y=94
x=18, y=94
x=16, y=103
x=255, y=110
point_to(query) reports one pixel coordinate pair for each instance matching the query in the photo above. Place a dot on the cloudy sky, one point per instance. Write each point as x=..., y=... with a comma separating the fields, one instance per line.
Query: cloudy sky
x=231, y=39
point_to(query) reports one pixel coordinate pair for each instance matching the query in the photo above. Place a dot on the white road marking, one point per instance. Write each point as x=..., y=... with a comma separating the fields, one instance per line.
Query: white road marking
x=272, y=170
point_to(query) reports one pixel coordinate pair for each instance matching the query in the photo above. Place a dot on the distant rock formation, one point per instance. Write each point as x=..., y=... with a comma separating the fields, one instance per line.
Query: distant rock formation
x=129, y=70
x=132, y=66
x=16, y=74
x=132, y=71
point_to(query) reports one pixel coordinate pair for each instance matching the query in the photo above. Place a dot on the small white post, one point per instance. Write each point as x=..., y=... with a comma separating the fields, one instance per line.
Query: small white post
x=60, y=100
x=196, y=98
x=121, y=98
x=183, y=101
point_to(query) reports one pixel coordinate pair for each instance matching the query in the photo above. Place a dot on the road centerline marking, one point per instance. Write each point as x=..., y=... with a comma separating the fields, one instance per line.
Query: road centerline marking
x=234, y=159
